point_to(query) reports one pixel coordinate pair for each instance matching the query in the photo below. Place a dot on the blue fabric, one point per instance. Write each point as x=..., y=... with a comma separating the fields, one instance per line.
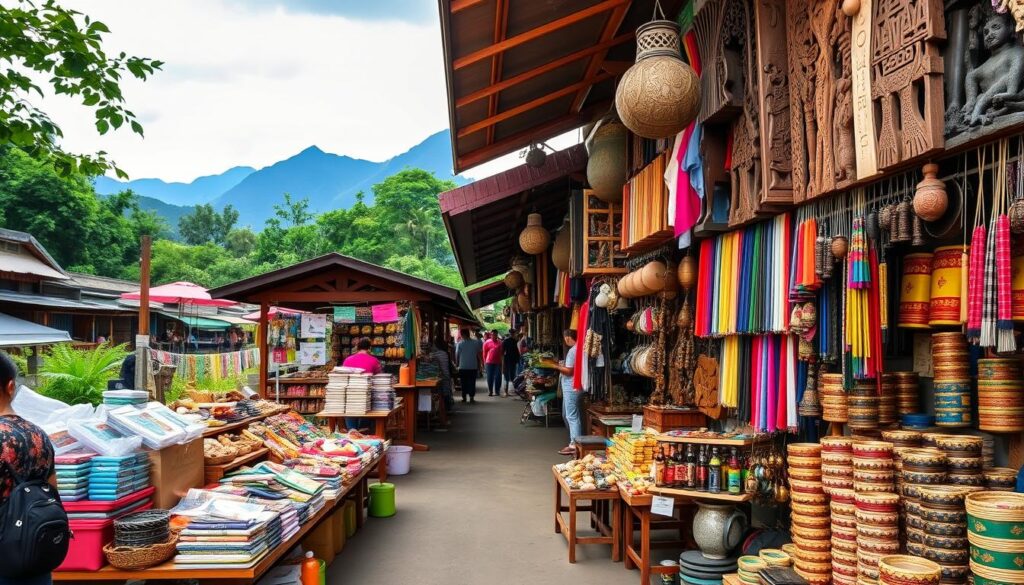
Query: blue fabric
x=570, y=362
x=493, y=378
x=571, y=412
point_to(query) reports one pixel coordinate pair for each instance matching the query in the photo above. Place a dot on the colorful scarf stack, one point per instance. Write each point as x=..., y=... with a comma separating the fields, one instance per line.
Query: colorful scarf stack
x=1005, y=341
x=804, y=278
x=976, y=283
x=758, y=375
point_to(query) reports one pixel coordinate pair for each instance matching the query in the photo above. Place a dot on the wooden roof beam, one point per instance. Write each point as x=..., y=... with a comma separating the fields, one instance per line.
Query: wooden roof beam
x=500, y=30
x=610, y=28
x=534, y=103
x=544, y=29
x=547, y=67
x=460, y=5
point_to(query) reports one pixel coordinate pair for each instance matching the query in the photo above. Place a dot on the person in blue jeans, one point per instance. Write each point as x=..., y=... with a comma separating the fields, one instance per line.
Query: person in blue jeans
x=570, y=396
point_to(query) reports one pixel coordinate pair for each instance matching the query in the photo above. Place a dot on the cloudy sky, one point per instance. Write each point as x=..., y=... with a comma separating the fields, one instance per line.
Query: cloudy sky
x=250, y=82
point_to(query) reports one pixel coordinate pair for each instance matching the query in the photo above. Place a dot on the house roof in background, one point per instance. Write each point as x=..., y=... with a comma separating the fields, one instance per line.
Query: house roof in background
x=16, y=332
x=60, y=304
x=37, y=262
x=487, y=294
x=102, y=284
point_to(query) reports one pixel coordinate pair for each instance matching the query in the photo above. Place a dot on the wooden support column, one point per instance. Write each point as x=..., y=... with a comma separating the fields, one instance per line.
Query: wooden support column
x=262, y=333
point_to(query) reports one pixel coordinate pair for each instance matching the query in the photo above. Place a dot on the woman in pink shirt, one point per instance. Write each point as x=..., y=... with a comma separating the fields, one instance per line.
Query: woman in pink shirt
x=362, y=359
x=492, y=363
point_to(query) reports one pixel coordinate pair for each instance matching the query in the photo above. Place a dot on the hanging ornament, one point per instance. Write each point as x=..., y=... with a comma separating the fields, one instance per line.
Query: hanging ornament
x=534, y=239
x=917, y=232
x=686, y=273
x=561, y=250
x=536, y=157
x=523, y=302
x=930, y=199
x=659, y=95
x=885, y=217
x=840, y=245
x=607, y=165
x=601, y=299
x=872, y=227
x=514, y=279
x=850, y=7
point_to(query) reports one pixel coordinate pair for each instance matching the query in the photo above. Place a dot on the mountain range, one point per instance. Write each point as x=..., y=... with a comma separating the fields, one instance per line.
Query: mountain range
x=329, y=181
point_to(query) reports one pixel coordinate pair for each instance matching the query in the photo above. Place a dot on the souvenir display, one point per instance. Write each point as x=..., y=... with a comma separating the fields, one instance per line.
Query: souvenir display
x=952, y=380
x=1000, y=395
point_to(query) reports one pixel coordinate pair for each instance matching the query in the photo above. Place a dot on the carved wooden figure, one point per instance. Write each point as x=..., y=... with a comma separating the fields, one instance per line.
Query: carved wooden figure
x=746, y=179
x=776, y=138
x=906, y=72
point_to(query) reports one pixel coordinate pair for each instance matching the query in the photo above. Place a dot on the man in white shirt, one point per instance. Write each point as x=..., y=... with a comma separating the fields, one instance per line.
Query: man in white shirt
x=570, y=396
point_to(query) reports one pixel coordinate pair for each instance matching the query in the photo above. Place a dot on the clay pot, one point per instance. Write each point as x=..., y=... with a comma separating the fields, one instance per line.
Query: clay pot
x=686, y=274
x=523, y=302
x=930, y=199
x=658, y=96
x=718, y=529
x=534, y=239
x=607, y=165
x=561, y=249
x=850, y=7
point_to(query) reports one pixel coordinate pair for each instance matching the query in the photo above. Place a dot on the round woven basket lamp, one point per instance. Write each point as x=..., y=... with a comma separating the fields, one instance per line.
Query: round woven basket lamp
x=514, y=279
x=607, y=165
x=534, y=239
x=686, y=272
x=659, y=95
x=523, y=302
x=561, y=249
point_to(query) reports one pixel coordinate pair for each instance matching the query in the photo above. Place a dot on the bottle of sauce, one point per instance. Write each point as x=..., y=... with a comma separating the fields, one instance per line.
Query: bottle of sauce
x=658, y=467
x=735, y=481
x=680, y=463
x=691, y=468
x=669, y=476
x=702, y=470
x=714, y=472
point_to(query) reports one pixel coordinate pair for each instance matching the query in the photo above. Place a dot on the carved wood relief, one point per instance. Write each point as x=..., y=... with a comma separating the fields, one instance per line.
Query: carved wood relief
x=907, y=78
x=745, y=173
x=721, y=86
x=772, y=69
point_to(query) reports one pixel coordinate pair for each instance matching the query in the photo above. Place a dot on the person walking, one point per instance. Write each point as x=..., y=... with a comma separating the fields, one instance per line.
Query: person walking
x=438, y=354
x=469, y=357
x=570, y=396
x=26, y=454
x=509, y=359
x=492, y=363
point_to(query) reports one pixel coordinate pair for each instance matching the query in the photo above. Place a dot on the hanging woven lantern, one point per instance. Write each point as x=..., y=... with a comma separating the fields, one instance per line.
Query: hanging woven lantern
x=562, y=249
x=840, y=245
x=607, y=166
x=534, y=239
x=930, y=199
x=687, y=272
x=523, y=302
x=514, y=279
x=659, y=95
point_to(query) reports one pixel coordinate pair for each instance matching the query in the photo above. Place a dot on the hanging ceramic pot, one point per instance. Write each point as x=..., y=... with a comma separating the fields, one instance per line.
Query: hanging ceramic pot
x=687, y=272
x=562, y=248
x=514, y=279
x=930, y=199
x=652, y=276
x=659, y=95
x=607, y=165
x=523, y=302
x=840, y=245
x=534, y=239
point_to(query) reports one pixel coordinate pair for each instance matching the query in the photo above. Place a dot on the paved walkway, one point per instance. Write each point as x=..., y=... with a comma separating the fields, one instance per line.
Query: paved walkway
x=477, y=509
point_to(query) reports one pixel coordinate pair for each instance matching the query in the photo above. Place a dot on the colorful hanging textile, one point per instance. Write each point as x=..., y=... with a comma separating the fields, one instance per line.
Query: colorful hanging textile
x=862, y=324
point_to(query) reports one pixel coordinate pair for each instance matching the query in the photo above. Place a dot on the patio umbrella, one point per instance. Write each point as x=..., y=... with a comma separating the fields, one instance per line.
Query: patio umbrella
x=182, y=293
x=272, y=312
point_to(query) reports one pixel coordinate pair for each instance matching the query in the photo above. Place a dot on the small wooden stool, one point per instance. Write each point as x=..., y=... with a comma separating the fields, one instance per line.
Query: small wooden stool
x=589, y=444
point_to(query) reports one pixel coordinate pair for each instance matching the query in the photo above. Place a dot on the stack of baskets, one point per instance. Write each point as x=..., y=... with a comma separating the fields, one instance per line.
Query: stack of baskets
x=920, y=468
x=945, y=528
x=878, y=530
x=873, y=467
x=863, y=408
x=141, y=540
x=902, y=439
x=844, y=536
x=836, y=463
x=996, y=534
x=1000, y=479
x=908, y=570
x=834, y=406
x=963, y=457
x=1000, y=395
x=747, y=568
x=887, y=400
x=988, y=451
x=907, y=392
x=952, y=380
x=809, y=514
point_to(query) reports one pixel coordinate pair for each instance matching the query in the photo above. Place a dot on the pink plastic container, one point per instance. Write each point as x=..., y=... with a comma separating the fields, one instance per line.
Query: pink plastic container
x=85, y=553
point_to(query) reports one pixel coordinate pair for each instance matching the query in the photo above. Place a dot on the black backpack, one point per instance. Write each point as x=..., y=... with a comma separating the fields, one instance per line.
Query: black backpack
x=34, y=530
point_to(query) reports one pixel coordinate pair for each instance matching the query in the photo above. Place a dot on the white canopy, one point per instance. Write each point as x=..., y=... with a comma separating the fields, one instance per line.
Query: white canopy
x=17, y=332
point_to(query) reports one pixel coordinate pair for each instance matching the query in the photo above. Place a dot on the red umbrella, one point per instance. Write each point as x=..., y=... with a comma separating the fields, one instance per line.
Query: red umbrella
x=272, y=312
x=182, y=293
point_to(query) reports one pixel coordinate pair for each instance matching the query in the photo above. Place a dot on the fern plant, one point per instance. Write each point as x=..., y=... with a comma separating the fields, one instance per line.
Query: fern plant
x=76, y=376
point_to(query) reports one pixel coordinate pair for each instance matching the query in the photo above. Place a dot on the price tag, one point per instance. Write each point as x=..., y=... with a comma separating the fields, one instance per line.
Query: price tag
x=662, y=506
x=638, y=423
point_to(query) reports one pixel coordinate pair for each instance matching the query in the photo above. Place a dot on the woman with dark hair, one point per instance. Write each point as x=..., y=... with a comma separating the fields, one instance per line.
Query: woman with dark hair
x=25, y=450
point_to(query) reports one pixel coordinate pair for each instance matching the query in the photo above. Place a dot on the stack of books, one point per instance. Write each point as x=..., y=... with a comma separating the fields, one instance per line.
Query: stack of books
x=116, y=398
x=382, y=392
x=357, y=394
x=210, y=542
x=334, y=392
x=111, y=478
x=73, y=471
x=276, y=482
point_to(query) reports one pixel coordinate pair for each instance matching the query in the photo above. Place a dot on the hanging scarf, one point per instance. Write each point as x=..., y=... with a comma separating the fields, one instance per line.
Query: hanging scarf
x=989, y=298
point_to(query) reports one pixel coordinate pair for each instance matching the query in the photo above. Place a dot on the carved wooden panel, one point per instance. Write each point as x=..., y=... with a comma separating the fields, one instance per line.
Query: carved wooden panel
x=907, y=78
x=745, y=173
x=773, y=93
x=821, y=98
x=719, y=42
x=866, y=146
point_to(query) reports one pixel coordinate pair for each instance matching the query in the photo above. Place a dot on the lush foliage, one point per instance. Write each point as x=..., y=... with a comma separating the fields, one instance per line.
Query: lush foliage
x=400, y=228
x=64, y=47
x=76, y=376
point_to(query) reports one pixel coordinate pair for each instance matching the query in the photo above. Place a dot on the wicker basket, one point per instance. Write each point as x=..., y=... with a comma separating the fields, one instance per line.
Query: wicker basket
x=219, y=460
x=135, y=559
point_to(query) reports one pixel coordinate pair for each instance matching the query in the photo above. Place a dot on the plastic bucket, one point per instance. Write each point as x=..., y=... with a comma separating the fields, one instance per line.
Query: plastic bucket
x=382, y=500
x=399, y=459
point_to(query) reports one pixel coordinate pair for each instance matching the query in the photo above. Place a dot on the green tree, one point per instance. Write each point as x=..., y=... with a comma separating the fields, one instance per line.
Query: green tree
x=80, y=376
x=65, y=47
x=204, y=224
x=411, y=195
x=240, y=242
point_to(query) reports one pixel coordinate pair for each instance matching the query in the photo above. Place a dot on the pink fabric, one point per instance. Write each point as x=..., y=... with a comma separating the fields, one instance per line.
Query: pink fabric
x=1004, y=312
x=687, y=200
x=364, y=362
x=492, y=352
x=185, y=293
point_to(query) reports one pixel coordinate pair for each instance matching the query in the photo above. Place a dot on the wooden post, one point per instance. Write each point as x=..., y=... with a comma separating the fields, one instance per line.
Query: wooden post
x=142, y=339
x=262, y=333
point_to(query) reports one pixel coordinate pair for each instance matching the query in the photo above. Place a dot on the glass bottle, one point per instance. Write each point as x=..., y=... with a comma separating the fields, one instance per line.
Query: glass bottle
x=669, y=476
x=702, y=470
x=714, y=472
x=735, y=480
x=680, y=463
x=691, y=468
x=658, y=467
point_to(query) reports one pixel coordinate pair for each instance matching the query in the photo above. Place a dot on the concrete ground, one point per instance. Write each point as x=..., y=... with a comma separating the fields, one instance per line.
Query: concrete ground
x=478, y=508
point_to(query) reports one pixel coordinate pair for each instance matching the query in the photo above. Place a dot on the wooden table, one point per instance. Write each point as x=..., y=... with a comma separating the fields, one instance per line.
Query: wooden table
x=638, y=508
x=380, y=418
x=608, y=534
x=603, y=425
x=356, y=489
x=410, y=396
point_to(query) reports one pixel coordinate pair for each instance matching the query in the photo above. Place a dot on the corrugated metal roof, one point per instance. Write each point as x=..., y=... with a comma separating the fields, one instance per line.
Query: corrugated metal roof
x=16, y=332
x=27, y=264
x=7, y=296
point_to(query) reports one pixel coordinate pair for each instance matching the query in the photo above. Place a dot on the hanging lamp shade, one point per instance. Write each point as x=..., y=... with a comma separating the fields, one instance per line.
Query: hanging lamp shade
x=534, y=239
x=659, y=95
x=561, y=249
x=686, y=273
x=607, y=166
x=514, y=279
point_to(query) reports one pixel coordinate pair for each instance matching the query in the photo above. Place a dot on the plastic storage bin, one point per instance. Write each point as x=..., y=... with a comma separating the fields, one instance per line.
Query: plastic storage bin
x=382, y=500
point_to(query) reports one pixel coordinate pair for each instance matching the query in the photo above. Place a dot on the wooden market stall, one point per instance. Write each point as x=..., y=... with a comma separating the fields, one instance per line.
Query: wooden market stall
x=322, y=284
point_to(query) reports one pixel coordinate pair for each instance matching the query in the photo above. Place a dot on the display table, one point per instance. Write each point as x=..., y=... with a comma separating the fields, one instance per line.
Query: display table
x=603, y=424
x=380, y=418
x=356, y=489
x=410, y=395
x=608, y=534
x=637, y=508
